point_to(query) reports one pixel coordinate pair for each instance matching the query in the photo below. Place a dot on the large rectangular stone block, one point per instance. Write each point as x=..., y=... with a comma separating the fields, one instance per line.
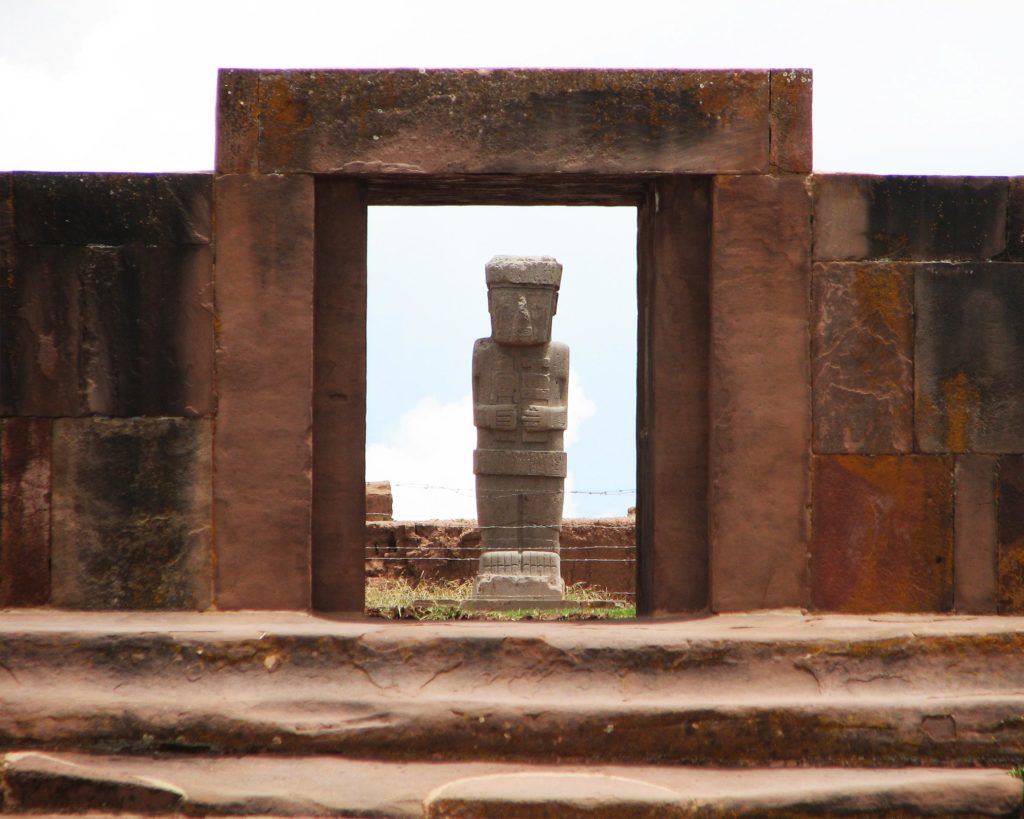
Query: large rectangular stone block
x=112, y=208
x=503, y=121
x=339, y=397
x=25, y=448
x=883, y=533
x=672, y=447
x=759, y=392
x=1010, y=503
x=120, y=331
x=862, y=343
x=791, y=146
x=975, y=557
x=263, y=457
x=917, y=218
x=132, y=513
x=969, y=358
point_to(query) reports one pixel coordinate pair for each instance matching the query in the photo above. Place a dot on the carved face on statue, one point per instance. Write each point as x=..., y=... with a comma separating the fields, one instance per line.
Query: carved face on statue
x=521, y=315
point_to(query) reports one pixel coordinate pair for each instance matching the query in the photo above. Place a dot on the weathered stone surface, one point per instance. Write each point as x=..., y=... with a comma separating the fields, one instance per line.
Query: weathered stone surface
x=791, y=146
x=293, y=786
x=862, y=343
x=969, y=358
x=25, y=446
x=599, y=552
x=339, y=395
x=760, y=392
x=379, y=500
x=237, y=121
x=263, y=491
x=505, y=121
x=113, y=331
x=112, y=208
x=975, y=543
x=1015, y=220
x=918, y=218
x=883, y=533
x=672, y=388
x=1010, y=503
x=131, y=513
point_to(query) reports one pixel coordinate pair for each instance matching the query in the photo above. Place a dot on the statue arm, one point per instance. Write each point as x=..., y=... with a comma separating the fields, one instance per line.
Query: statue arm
x=488, y=416
x=554, y=415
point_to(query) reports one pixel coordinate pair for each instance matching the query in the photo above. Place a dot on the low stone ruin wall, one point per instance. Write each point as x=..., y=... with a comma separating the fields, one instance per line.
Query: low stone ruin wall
x=600, y=552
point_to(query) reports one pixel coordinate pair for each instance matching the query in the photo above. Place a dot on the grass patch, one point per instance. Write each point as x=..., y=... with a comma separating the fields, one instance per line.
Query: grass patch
x=1018, y=772
x=396, y=598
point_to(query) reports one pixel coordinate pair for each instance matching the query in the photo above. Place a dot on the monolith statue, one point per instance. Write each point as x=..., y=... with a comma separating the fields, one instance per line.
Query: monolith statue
x=520, y=391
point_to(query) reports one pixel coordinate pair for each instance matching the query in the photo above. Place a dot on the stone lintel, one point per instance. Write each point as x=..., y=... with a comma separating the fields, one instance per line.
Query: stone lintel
x=507, y=121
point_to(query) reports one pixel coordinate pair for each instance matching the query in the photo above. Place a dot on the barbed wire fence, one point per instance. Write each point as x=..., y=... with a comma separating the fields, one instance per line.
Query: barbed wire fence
x=413, y=554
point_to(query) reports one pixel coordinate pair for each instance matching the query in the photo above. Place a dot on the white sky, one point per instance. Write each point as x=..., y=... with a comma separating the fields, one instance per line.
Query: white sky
x=129, y=85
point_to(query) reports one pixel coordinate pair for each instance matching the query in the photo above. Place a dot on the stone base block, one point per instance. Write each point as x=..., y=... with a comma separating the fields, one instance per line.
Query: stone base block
x=520, y=587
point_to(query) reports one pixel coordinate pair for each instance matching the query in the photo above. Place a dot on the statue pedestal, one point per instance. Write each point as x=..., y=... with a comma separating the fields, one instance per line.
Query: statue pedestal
x=526, y=575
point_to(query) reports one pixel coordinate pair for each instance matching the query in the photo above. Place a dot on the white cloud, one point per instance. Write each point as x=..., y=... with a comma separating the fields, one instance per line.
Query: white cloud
x=429, y=457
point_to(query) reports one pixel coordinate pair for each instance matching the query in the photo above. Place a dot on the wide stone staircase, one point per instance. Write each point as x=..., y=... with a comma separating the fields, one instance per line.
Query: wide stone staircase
x=771, y=714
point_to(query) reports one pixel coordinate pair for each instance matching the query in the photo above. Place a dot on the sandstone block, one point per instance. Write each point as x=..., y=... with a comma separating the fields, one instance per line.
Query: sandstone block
x=1010, y=502
x=131, y=513
x=25, y=446
x=674, y=260
x=975, y=552
x=791, y=146
x=759, y=392
x=917, y=218
x=883, y=533
x=502, y=121
x=263, y=490
x=339, y=396
x=237, y=121
x=379, y=501
x=119, y=331
x=112, y=208
x=862, y=343
x=969, y=358
x=1015, y=220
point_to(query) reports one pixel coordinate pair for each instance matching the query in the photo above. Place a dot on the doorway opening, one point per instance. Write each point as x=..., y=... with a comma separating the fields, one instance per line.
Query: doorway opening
x=427, y=303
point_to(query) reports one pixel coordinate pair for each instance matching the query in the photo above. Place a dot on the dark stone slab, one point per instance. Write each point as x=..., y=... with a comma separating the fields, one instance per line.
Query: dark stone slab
x=672, y=386
x=759, y=392
x=505, y=121
x=112, y=208
x=237, y=121
x=862, y=343
x=975, y=545
x=340, y=493
x=112, y=331
x=25, y=447
x=1010, y=503
x=969, y=358
x=917, y=218
x=6, y=208
x=883, y=533
x=1015, y=220
x=791, y=145
x=132, y=513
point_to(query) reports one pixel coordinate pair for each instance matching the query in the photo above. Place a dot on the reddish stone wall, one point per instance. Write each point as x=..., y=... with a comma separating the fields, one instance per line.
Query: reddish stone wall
x=830, y=373
x=106, y=390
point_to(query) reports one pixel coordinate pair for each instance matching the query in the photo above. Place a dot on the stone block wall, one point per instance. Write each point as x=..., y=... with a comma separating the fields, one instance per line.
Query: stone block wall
x=106, y=390
x=917, y=363
x=830, y=368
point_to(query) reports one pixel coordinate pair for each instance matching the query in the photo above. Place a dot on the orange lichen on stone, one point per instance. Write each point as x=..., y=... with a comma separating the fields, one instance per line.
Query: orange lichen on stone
x=962, y=400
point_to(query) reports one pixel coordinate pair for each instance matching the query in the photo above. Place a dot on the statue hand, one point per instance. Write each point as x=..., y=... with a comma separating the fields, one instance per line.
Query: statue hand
x=532, y=417
x=505, y=416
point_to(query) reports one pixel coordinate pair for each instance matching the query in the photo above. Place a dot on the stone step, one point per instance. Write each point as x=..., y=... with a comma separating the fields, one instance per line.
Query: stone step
x=742, y=690
x=36, y=782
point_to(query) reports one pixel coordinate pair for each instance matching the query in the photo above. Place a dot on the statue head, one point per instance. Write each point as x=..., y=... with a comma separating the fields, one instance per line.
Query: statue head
x=522, y=295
